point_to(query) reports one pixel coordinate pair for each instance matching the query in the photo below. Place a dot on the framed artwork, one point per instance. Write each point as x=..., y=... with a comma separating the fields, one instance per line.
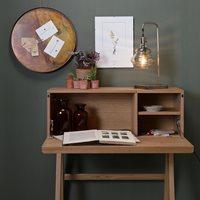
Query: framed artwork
x=114, y=40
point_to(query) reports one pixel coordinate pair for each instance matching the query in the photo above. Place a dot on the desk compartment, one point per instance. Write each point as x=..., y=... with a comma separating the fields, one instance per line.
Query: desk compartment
x=165, y=119
x=122, y=108
x=170, y=102
x=147, y=123
x=105, y=111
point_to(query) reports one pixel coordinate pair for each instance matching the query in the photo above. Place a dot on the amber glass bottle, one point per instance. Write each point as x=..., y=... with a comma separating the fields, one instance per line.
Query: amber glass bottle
x=80, y=118
x=62, y=117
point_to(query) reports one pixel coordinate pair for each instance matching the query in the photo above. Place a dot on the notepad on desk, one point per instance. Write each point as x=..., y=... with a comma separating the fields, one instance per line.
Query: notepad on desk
x=101, y=136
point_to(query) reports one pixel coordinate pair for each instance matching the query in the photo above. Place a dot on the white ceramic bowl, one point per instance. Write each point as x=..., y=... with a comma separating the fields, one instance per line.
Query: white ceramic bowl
x=153, y=108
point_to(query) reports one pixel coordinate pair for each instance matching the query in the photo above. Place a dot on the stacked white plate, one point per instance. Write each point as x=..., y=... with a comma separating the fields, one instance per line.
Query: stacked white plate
x=153, y=108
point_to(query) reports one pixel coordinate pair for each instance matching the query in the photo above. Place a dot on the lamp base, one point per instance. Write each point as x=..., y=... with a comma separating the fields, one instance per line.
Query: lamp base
x=151, y=86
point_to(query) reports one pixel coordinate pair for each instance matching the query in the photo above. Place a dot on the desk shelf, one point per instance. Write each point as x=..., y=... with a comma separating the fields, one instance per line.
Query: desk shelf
x=122, y=107
x=176, y=113
x=149, y=122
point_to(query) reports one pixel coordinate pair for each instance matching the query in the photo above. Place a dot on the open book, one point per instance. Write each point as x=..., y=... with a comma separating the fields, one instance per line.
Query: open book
x=101, y=136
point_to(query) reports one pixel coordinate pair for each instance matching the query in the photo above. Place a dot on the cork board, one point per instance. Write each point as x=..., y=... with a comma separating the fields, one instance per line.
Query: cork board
x=33, y=56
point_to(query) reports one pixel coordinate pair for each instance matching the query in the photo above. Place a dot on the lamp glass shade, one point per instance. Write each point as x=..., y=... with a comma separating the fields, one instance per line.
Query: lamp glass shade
x=143, y=59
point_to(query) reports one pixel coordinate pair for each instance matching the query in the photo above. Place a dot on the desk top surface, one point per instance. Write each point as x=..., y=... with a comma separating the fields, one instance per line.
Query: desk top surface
x=149, y=144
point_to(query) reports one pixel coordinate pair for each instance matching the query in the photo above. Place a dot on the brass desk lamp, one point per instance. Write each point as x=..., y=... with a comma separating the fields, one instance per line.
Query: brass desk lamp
x=143, y=59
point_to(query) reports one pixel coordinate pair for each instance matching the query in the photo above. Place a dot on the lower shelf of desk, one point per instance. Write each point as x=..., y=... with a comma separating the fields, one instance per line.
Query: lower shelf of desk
x=149, y=144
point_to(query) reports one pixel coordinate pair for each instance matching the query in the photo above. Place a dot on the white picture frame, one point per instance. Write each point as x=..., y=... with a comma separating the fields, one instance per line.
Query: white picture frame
x=114, y=40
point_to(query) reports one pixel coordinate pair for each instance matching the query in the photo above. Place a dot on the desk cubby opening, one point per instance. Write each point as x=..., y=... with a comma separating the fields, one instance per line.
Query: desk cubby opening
x=171, y=102
x=105, y=111
x=147, y=123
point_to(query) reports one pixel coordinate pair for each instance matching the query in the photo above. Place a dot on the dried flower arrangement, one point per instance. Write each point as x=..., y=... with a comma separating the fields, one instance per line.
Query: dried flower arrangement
x=115, y=41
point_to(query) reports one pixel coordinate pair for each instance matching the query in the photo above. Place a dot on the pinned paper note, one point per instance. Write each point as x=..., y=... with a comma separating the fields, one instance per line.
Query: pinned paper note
x=47, y=30
x=31, y=45
x=54, y=46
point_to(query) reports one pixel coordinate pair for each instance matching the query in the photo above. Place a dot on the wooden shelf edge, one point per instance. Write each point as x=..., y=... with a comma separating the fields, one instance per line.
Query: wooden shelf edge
x=177, y=113
x=120, y=177
x=118, y=90
x=117, y=150
x=103, y=90
x=172, y=90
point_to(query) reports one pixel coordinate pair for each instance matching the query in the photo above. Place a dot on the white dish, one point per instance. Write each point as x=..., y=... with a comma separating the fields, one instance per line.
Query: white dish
x=153, y=108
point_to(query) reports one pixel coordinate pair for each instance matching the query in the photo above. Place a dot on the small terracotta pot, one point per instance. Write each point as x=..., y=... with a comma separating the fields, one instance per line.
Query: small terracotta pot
x=83, y=84
x=76, y=85
x=70, y=84
x=95, y=84
x=82, y=73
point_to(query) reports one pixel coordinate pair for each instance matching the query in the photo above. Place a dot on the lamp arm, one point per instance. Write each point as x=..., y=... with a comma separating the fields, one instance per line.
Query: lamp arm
x=158, y=44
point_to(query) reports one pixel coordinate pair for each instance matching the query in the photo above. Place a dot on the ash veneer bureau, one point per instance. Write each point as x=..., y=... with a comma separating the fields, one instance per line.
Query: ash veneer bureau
x=121, y=108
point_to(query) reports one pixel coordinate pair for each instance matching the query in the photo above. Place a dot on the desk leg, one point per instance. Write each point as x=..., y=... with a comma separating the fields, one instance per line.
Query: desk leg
x=59, y=190
x=169, y=192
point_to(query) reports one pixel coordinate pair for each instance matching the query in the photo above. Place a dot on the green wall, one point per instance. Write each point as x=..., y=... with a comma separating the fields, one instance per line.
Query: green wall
x=27, y=174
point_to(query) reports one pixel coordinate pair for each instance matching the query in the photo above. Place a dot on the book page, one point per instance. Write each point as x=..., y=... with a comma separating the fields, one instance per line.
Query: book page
x=79, y=137
x=103, y=136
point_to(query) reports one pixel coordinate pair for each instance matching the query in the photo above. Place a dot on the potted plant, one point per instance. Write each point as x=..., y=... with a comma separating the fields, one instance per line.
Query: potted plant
x=72, y=81
x=70, y=77
x=92, y=76
x=84, y=84
x=84, y=63
x=76, y=83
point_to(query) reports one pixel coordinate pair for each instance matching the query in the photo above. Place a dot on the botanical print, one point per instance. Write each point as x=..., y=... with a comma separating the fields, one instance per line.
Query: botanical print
x=114, y=41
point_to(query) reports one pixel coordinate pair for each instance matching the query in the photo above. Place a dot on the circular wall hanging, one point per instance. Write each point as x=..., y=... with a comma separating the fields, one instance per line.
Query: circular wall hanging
x=42, y=39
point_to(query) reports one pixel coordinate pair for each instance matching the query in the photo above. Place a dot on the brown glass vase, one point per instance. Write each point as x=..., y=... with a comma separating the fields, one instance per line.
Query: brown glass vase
x=80, y=118
x=62, y=118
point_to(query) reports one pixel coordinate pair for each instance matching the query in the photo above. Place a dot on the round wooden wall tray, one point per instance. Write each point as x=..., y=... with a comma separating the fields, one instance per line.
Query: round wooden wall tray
x=47, y=49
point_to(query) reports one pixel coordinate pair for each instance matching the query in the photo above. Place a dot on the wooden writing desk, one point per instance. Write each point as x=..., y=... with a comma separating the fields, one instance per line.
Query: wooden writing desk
x=121, y=108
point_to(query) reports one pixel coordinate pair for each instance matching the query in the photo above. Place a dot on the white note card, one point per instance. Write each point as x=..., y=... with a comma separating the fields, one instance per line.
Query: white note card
x=54, y=46
x=47, y=30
